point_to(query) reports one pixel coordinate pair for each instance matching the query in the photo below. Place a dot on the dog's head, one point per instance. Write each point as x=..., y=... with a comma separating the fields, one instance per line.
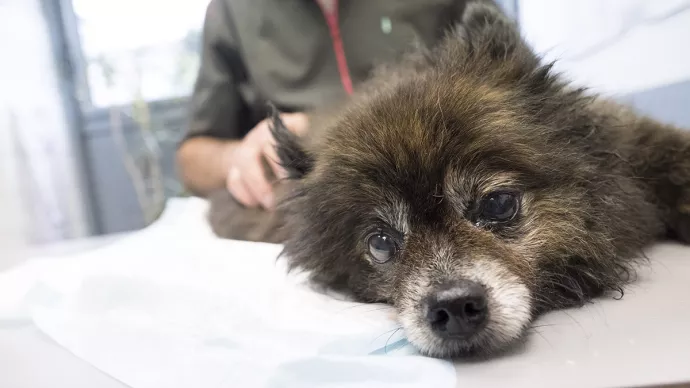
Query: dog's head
x=459, y=190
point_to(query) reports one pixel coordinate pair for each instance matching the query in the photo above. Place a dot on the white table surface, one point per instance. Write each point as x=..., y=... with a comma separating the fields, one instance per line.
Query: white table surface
x=642, y=340
x=30, y=359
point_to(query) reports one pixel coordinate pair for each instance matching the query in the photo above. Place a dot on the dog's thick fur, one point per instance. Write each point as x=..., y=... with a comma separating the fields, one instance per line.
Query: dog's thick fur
x=425, y=140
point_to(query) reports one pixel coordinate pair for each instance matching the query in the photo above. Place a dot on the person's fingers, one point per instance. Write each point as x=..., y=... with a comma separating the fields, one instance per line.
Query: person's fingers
x=260, y=134
x=237, y=188
x=255, y=181
x=297, y=123
x=274, y=160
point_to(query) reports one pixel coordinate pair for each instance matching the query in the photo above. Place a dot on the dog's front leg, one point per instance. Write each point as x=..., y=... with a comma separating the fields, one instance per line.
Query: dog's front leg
x=661, y=157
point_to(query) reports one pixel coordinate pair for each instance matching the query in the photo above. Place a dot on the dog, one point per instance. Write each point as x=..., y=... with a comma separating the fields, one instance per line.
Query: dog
x=473, y=188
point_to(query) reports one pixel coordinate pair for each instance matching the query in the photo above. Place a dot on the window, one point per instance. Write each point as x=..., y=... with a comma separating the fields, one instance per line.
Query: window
x=139, y=49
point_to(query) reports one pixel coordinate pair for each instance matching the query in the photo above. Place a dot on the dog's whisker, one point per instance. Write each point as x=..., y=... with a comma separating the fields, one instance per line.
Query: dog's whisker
x=377, y=309
x=543, y=337
x=385, y=347
x=577, y=323
x=543, y=325
x=362, y=306
x=394, y=330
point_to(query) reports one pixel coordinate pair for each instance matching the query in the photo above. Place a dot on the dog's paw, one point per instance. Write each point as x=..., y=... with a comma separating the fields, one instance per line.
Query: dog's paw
x=682, y=227
x=480, y=14
x=683, y=223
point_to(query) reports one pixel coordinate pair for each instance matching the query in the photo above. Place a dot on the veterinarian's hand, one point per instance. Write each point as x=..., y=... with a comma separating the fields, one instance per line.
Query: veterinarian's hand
x=246, y=179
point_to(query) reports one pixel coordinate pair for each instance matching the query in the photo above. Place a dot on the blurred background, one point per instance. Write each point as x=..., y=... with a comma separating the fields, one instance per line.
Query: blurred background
x=93, y=97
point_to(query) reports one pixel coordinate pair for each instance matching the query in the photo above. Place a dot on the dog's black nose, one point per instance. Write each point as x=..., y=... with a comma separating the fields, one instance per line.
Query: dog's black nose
x=458, y=310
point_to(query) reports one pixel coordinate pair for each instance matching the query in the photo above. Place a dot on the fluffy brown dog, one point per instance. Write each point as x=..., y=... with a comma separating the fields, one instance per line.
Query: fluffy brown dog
x=473, y=189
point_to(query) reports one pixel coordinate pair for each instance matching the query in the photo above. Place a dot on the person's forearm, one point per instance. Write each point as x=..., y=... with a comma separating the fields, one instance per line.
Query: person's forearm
x=203, y=164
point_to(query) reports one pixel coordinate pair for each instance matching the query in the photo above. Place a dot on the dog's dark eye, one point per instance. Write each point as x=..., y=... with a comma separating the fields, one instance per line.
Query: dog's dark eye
x=381, y=247
x=499, y=206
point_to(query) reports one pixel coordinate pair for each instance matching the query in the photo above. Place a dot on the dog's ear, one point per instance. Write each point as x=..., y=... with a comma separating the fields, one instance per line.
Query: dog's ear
x=293, y=158
x=489, y=31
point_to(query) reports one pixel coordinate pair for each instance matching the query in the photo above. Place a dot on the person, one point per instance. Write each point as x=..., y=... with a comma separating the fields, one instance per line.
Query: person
x=297, y=55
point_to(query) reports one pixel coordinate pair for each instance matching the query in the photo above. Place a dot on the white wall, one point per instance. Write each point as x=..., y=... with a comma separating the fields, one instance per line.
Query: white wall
x=642, y=46
x=41, y=170
x=12, y=221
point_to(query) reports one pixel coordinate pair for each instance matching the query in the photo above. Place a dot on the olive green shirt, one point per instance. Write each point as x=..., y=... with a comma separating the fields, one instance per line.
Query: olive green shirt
x=282, y=51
